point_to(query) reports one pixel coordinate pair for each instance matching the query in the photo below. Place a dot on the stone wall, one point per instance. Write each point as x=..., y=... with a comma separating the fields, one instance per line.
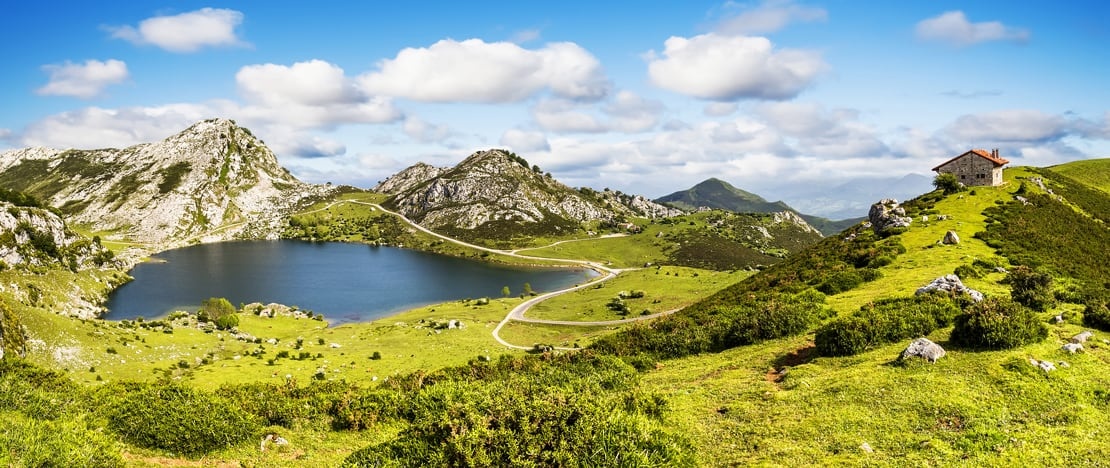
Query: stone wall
x=973, y=170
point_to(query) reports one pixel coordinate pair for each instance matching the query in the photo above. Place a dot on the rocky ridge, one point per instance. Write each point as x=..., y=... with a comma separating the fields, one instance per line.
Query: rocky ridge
x=498, y=186
x=32, y=236
x=212, y=181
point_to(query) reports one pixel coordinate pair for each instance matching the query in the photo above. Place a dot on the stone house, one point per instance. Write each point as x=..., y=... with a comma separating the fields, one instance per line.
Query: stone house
x=975, y=167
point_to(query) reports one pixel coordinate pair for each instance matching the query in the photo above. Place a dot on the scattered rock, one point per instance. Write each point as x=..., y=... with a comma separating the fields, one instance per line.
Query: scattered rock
x=1043, y=365
x=454, y=324
x=272, y=439
x=1072, y=347
x=1082, y=337
x=1058, y=319
x=866, y=447
x=943, y=217
x=951, y=238
x=886, y=215
x=924, y=348
x=1021, y=199
x=1001, y=270
x=950, y=284
x=334, y=345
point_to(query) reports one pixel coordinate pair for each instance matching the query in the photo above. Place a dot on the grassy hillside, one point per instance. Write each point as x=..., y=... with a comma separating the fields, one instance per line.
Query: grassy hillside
x=733, y=379
x=1090, y=172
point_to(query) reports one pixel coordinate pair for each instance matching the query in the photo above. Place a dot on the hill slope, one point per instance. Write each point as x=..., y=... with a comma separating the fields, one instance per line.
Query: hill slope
x=717, y=194
x=212, y=175
x=1092, y=172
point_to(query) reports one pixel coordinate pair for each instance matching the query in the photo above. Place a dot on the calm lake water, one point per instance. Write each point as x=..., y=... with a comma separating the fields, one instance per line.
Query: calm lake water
x=345, y=282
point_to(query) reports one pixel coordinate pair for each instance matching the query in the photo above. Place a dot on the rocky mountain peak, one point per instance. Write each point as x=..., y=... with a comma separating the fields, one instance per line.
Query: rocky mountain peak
x=409, y=177
x=498, y=186
x=214, y=174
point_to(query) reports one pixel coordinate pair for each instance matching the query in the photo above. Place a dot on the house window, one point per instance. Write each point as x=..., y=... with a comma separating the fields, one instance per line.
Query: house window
x=962, y=177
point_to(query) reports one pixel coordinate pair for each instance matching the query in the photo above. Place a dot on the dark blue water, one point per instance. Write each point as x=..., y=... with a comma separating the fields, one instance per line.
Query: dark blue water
x=345, y=282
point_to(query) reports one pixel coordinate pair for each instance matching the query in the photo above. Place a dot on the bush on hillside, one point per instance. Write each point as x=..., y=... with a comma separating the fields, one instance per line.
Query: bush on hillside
x=839, y=282
x=1097, y=314
x=762, y=316
x=213, y=308
x=26, y=441
x=227, y=322
x=180, y=420
x=885, y=321
x=1031, y=288
x=507, y=424
x=948, y=183
x=997, y=323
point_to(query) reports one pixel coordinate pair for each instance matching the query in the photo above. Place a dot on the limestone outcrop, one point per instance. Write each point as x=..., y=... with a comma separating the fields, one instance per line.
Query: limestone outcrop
x=925, y=349
x=498, y=186
x=886, y=215
x=950, y=284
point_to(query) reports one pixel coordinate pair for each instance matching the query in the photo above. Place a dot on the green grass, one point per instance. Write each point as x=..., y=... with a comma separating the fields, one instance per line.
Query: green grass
x=1092, y=172
x=666, y=288
x=969, y=409
x=566, y=336
x=620, y=252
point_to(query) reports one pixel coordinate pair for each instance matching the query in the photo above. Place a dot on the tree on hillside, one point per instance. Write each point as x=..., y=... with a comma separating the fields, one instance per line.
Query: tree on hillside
x=505, y=291
x=948, y=183
x=213, y=308
x=528, y=290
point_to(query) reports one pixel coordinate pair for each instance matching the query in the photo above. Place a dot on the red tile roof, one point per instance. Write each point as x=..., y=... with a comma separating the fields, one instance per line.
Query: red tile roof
x=982, y=153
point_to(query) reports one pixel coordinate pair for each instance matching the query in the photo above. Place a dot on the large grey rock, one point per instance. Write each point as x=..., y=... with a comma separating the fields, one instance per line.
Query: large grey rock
x=1072, y=347
x=951, y=238
x=886, y=215
x=1082, y=337
x=1042, y=365
x=925, y=349
x=951, y=284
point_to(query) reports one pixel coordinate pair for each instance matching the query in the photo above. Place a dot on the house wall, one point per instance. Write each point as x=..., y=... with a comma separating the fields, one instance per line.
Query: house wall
x=973, y=170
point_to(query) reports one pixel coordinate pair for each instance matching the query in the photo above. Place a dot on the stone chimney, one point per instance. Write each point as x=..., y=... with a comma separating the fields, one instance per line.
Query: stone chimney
x=994, y=153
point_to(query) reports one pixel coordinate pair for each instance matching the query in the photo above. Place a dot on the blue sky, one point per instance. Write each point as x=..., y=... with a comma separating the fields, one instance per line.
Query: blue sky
x=778, y=97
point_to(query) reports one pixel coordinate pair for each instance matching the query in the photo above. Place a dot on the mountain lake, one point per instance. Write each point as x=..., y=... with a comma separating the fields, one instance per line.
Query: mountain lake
x=345, y=282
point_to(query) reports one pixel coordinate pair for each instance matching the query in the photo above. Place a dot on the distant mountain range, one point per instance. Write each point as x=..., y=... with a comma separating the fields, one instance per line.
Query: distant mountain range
x=717, y=194
x=852, y=198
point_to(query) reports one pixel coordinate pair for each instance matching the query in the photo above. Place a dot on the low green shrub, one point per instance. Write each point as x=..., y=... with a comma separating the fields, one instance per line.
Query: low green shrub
x=227, y=322
x=26, y=441
x=180, y=420
x=839, y=282
x=1031, y=288
x=1097, y=314
x=885, y=321
x=968, y=271
x=997, y=323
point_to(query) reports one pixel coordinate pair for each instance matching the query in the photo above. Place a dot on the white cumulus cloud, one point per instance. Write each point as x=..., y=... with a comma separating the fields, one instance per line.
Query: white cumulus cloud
x=85, y=80
x=770, y=16
x=425, y=132
x=1017, y=125
x=719, y=109
x=95, y=127
x=524, y=140
x=954, y=28
x=185, y=32
x=488, y=72
x=309, y=94
x=625, y=112
x=726, y=68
